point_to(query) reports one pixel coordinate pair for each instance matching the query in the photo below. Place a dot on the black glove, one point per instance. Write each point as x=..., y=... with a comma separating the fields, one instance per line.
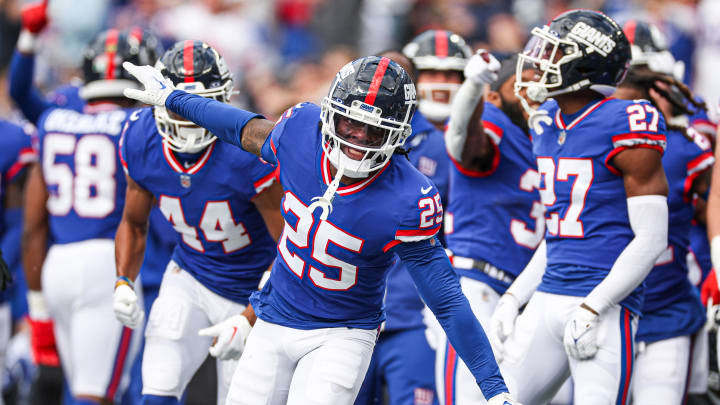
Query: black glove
x=6, y=277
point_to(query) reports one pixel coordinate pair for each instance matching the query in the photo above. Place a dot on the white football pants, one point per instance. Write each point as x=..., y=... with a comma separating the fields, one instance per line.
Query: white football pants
x=173, y=349
x=96, y=350
x=282, y=365
x=454, y=382
x=535, y=363
x=661, y=371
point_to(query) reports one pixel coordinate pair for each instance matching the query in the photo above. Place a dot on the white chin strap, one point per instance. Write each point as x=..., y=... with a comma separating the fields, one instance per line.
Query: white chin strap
x=325, y=202
x=434, y=111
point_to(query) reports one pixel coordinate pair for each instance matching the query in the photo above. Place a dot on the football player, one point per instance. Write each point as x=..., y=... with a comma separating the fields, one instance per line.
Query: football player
x=440, y=57
x=350, y=206
x=77, y=191
x=221, y=200
x=672, y=311
x=403, y=359
x=495, y=219
x=603, y=185
x=16, y=153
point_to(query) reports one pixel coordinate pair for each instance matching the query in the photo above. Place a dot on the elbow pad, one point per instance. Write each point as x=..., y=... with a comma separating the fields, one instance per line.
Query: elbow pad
x=463, y=107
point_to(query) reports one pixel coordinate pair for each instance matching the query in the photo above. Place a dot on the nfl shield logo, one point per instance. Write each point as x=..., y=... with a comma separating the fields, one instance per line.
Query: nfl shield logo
x=185, y=180
x=561, y=137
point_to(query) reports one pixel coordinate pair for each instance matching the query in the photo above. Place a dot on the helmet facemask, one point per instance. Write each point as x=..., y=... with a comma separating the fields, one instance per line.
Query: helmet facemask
x=435, y=110
x=184, y=136
x=359, y=158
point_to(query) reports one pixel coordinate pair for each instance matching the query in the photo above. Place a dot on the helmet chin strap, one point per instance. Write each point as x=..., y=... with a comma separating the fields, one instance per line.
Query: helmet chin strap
x=535, y=117
x=325, y=202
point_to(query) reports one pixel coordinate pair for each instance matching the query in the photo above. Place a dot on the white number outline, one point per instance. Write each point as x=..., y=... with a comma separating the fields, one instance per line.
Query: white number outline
x=578, y=194
x=637, y=117
x=519, y=230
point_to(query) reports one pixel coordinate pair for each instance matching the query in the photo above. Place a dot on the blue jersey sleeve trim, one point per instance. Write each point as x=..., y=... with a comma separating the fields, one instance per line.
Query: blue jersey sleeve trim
x=223, y=120
x=439, y=287
x=27, y=98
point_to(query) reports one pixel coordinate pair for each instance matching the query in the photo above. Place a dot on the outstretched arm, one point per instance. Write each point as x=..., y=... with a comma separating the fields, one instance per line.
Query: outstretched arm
x=241, y=128
x=438, y=286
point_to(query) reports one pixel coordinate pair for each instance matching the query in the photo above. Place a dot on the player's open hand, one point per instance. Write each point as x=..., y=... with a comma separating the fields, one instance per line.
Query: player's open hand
x=580, y=338
x=482, y=68
x=502, y=323
x=230, y=336
x=503, y=399
x=126, y=307
x=5, y=274
x=157, y=88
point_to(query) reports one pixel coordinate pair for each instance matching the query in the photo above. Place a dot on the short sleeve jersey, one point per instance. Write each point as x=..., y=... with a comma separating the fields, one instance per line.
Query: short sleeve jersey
x=85, y=182
x=672, y=306
x=16, y=152
x=584, y=194
x=331, y=272
x=496, y=216
x=221, y=237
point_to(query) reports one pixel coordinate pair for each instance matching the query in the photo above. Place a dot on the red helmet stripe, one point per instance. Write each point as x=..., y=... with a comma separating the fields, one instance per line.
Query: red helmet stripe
x=188, y=61
x=441, y=44
x=629, y=29
x=377, y=80
x=137, y=33
x=111, y=43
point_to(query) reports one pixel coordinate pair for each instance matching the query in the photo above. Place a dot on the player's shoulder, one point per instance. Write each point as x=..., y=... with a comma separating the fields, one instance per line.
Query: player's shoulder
x=495, y=115
x=297, y=127
x=301, y=113
x=65, y=120
x=408, y=182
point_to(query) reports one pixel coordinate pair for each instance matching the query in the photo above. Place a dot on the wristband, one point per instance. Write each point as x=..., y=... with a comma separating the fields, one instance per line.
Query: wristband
x=122, y=280
x=26, y=42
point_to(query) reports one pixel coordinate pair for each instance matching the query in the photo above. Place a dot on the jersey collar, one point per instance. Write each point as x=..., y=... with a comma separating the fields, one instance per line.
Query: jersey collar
x=172, y=161
x=353, y=188
x=561, y=123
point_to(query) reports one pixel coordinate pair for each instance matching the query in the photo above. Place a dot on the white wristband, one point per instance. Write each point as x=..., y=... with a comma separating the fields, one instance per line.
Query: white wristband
x=26, y=42
x=37, y=308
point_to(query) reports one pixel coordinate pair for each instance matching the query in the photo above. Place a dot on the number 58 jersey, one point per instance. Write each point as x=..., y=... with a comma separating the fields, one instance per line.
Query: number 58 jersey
x=85, y=182
x=587, y=224
x=222, y=240
x=331, y=272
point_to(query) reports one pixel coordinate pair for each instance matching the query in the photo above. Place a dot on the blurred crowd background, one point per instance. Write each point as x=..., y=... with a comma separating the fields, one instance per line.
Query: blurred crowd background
x=286, y=51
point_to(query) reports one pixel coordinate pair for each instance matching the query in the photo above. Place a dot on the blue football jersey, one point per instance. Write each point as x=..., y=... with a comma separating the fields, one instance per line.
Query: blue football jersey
x=85, y=182
x=672, y=306
x=700, y=249
x=16, y=152
x=332, y=272
x=496, y=216
x=222, y=239
x=586, y=218
x=426, y=144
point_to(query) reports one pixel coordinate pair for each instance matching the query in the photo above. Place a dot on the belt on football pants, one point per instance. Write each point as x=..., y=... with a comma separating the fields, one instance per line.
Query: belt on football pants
x=467, y=263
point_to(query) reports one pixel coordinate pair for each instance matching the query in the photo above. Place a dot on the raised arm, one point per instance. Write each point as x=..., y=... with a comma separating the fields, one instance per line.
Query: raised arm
x=230, y=124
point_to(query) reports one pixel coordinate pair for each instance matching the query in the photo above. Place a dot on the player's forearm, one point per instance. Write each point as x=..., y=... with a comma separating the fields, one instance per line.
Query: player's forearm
x=528, y=280
x=439, y=288
x=22, y=91
x=464, y=109
x=221, y=119
x=648, y=217
x=130, y=241
x=34, y=245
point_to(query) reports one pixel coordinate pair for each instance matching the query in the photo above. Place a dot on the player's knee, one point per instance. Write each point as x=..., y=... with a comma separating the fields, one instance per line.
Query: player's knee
x=160, y=370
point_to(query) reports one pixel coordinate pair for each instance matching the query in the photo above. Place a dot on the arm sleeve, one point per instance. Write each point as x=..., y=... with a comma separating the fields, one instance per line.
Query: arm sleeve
x=28, y=98
x=223, y=120
x=438, y=286
x=528, y=280
x=648, y=216
x=463, y=107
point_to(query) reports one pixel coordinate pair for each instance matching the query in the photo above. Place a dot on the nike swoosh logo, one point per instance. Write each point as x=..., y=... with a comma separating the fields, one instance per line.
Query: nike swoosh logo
x=162, y=85
x=425, y=190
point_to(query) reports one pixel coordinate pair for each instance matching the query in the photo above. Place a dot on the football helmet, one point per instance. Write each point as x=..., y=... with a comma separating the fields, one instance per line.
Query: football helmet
x=197, y=68
x=437, y=50
x=579, y=49
x=649, y=48
x=103, y=74
x=375, y=97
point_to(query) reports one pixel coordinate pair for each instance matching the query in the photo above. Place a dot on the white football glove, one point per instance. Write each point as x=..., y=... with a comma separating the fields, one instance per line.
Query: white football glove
x=502, y=323
x=581, y=331
x=482, y=68
x=157, y=87
x=125, y=304
x=230, y=337
x=503, y=399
